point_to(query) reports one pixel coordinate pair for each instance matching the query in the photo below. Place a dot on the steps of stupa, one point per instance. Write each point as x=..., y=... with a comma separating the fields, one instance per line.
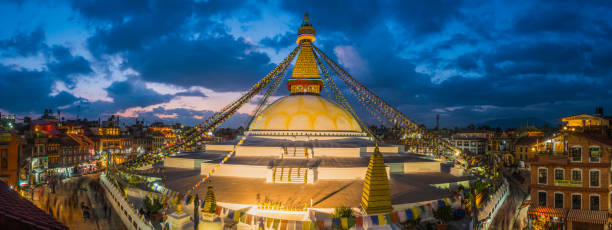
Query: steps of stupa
x=289, y=175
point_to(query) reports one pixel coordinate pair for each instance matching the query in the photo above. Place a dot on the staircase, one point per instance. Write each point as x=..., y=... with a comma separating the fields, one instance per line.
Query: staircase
x=295, y=152
x=290, y=175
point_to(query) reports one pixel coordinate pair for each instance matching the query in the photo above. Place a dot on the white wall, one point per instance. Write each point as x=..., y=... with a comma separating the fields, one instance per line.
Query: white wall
x=336, y=152
x=219, y=147
x=174, y=162
x=230, y=170
x=416, y=167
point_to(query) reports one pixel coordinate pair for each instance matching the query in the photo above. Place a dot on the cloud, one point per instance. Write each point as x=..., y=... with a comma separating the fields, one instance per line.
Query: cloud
x=219, y=63
x=65, y=64
x=132, y=93
x=279, y=41
x=468, y=61
x=24, y=44
x=27, y=91
x=350, y=58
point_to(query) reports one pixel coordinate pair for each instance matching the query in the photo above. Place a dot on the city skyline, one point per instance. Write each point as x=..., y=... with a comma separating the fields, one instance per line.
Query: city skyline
x=176, y=61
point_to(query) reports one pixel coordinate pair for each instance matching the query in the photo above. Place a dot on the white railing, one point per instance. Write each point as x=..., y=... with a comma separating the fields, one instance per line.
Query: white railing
x=124, y=210
x=489, y=211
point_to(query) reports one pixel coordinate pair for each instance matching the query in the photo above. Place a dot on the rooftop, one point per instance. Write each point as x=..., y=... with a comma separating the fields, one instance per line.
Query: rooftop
x=19, y=213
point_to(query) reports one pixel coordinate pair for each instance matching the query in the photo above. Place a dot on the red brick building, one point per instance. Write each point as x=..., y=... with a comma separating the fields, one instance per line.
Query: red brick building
x=570, y=182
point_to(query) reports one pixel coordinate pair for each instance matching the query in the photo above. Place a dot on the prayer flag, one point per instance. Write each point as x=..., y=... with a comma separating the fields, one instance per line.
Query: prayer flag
x=283, y=225
x=374, y=219
x=237, y=216
x=321, y=224
x=344, y=222
x=415, y=213
x=394, y=217
x=388, y=218
x=381, y=219
x=336, y=223
x=359, y=221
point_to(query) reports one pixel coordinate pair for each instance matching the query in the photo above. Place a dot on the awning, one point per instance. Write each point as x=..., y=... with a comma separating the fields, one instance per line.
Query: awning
x=546, y=211
x=588, y=216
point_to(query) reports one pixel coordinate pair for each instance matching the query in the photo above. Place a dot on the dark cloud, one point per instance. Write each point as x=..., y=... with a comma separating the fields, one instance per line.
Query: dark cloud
x=137, y=29
x=65, y=64
x=24, y=44
x=541, y=58
x=114, y=10
x=426, y=17
x=329, y=17
x=279, y=41
x=135, y=25
x=467, y=62
x=550, y=19
x=29, y=91
x=221, y=63
x=131, y=93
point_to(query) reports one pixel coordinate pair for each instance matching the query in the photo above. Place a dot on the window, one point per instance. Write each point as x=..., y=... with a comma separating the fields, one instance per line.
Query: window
x=558, y=200
x=559, y=174
x=594, y=202
x=542, y=177
x=542, y=198
x=594, y=154
x=577, y=174
x=5, y=158
x=576, y=153
x=594, y=178
x=576, y=201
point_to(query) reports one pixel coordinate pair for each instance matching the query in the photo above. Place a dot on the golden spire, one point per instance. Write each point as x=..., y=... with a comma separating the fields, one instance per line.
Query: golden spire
x=376, y=198
x=305, y=77
x=210, y=202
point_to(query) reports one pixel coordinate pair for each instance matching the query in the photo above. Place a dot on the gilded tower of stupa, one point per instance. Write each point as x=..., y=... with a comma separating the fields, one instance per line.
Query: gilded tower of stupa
x=305, y=78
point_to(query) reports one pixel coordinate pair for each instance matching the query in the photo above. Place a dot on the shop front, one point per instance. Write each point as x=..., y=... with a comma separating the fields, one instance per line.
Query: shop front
x=545, y=218
x=64, y=172
x=587, y=219
x=88, y=167
x=39, y=174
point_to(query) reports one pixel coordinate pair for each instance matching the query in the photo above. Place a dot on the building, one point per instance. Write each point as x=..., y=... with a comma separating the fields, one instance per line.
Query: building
x=595, y=124
x=570, y=182
x=527, y=145
x=473, y=142
x=110, y=141
x=10, y=152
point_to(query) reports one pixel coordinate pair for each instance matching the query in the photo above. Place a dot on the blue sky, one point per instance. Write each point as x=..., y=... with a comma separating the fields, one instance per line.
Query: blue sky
x=469, y=61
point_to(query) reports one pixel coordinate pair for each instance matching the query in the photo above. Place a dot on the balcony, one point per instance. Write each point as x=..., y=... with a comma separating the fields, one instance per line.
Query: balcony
x=568, y=183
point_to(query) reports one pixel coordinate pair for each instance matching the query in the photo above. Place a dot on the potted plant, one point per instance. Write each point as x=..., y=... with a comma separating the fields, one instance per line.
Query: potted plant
x=341, y=212
x=443, y=214
x=153, y=208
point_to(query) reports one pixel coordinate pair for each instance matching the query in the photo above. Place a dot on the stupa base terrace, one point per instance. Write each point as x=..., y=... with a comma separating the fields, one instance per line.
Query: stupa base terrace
x=323, y=175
